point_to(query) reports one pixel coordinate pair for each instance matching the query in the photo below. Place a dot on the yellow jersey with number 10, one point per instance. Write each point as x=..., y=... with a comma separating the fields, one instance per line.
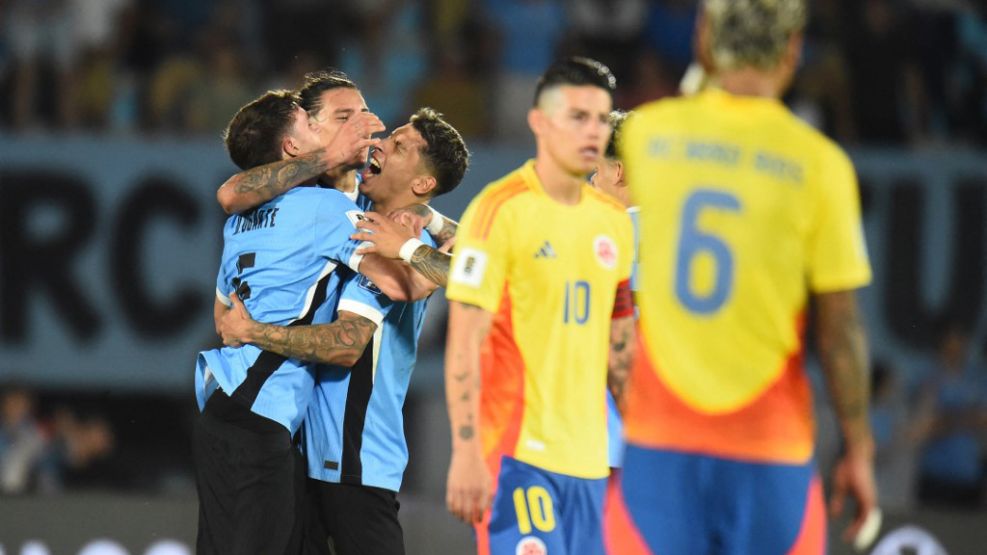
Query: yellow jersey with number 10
x=549, y=272
x=745, y=211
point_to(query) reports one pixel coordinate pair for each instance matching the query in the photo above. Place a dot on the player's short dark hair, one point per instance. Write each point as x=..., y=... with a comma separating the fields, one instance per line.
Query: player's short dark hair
x=446, y=154
x=576, y=71
x=616, y=118
x=318, y=82
x=253, y=137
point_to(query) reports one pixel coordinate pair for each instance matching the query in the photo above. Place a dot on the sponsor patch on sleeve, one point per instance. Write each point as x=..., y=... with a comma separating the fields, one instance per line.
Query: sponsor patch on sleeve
x=469, y=267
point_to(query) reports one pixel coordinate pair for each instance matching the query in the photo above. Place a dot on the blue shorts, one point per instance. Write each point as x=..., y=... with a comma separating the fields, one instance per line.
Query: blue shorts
x=688, y=503
x=536, y=512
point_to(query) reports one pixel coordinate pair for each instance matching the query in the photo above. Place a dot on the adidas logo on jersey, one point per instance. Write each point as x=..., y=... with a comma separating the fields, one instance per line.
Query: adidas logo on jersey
x=545, y=251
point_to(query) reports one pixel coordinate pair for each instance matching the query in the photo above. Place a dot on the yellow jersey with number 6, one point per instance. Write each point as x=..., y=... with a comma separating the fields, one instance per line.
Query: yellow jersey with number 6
x=549, y=272
x=744, y=211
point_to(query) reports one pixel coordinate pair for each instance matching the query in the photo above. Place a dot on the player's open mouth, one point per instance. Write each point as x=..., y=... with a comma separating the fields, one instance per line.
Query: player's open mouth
x=589, y=152
x=372, y=168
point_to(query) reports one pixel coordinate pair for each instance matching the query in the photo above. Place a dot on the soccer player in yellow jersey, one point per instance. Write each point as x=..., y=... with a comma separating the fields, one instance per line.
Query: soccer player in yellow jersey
x=540, y=310
x=746, y=214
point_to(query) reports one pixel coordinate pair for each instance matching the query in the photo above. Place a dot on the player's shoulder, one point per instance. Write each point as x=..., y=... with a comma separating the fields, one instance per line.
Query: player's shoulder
x=606, y=203
x=501, y=194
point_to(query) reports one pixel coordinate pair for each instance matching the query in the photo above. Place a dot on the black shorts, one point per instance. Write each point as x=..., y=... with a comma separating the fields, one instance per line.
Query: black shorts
x=250, y=481
x=352, y=520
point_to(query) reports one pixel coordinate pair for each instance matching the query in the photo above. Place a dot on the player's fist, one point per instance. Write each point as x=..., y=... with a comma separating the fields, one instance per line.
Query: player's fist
x=234, y=325
x=468, y=487
x=350, y=147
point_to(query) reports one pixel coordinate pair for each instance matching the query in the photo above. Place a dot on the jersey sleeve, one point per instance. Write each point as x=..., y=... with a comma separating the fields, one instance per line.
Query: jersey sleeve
x=482, y=257
x=836, y=251
x=361, y=296
x=335, y=221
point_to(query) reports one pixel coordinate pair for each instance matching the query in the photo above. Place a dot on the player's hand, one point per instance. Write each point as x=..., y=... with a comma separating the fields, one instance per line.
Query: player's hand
x=415, y=216
x=234, y=325
x=853, y=475
x=448, y=245
x=350, y=147
x=385, y=234
x=468, y=489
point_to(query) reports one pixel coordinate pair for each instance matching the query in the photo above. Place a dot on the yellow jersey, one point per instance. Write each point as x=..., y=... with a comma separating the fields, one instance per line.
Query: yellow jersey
x=549, y=272
x=744, y=210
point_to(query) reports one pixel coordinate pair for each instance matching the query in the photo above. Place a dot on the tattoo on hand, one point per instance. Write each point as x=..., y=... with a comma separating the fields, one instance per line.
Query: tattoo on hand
x=466, y=432
x=432, y=264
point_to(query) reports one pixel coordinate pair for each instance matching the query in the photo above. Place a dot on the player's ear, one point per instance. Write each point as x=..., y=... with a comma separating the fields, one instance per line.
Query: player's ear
x=424, y=185
x=536, y=120
x=289, y=146
x=618, y=169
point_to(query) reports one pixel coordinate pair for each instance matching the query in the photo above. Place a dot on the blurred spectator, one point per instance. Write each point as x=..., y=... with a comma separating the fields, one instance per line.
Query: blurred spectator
x=458, y=93
x=972, y=31
x=650, y=79
x=96, y=78
x=219, y=93
x=43, y=52
x=528, y=32
x=953, y=390
x=899, y=430
x=668, y=32
x=22, y=441
x=385, y=55
x=885, y=79
x=608, y=30
x=80, y=448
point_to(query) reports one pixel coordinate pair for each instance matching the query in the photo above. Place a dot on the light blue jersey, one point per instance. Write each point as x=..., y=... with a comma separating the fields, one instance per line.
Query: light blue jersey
x=615, y=428
x=354, y=431
x=282, y=260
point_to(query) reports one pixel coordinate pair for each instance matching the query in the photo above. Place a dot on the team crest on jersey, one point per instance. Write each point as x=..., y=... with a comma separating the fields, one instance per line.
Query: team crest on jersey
x=365, y=283
x=606, y=251
x=530, y=545
x=354, y=216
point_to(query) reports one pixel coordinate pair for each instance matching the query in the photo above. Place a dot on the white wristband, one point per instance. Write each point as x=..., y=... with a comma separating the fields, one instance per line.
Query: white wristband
x=408, y=248
x=436, y=224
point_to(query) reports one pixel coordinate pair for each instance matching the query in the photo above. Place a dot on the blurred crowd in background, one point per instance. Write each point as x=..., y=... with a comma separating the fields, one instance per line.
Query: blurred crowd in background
x=906, y=74
x=887, y=72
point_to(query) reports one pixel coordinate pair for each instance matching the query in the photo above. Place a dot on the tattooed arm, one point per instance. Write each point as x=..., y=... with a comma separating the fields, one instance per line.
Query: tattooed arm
x=341, y=342
x=468, y=488
x=347, y=150
x=387, y=237
x=256, y=186
x=622, y=350
x=843, y=350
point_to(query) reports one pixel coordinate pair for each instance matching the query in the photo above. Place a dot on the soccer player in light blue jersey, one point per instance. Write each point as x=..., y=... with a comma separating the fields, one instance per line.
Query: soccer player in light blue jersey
x=354, y=432
x=283, y=260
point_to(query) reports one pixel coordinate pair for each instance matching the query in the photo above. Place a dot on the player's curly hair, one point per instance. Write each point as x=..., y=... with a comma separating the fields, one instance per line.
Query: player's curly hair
x=446, y=154
x=752, y=33
x=576, y=71
x=253, y=137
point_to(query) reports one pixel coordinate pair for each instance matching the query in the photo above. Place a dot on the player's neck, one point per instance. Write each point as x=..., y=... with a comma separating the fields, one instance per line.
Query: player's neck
x=750, y=81
x=346, y=183
x=559, y=185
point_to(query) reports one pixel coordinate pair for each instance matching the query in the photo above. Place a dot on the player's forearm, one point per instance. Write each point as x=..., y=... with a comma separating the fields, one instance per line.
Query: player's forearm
x=256, y=186
x=843, y=351
x=341, y=342
x=622, y=350
x=431, y=264
x=468, y=327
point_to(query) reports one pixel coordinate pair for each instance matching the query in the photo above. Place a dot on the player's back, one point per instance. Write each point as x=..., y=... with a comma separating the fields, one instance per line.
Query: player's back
x=744, y=210
x=280, y=259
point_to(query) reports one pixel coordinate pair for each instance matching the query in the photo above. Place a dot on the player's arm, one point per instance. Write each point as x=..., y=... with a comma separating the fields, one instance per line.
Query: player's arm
x=390, y=239
x=341, y=342
x=468, y=489
x=395, y=279
x=622, y=342
x=842, y=348
x=348, y=149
